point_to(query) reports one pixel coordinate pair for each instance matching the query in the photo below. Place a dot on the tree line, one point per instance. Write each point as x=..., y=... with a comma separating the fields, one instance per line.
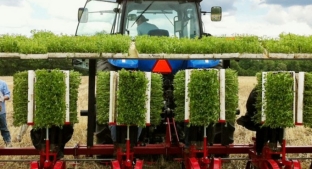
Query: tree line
x=251, y=67
x=10, y=66
x=243, y=67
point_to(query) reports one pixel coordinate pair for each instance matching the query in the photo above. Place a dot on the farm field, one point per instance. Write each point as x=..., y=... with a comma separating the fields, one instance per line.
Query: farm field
x=294, y=136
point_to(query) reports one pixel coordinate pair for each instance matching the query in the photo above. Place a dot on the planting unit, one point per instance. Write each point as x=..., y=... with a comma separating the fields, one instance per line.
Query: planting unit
x=176, y=90
x=272, y=156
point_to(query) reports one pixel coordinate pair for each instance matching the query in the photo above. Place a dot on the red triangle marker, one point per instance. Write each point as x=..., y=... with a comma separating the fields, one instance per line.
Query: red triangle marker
x=162, y=66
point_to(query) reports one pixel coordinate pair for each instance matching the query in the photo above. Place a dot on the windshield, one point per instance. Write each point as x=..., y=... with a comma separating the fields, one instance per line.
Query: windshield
x=178, y=19
x=100, y=16
x=169, y=18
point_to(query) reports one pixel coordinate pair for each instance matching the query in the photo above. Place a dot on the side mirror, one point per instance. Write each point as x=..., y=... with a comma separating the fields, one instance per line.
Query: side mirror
x=132, y=17
x=216, y=13
x=83, y=15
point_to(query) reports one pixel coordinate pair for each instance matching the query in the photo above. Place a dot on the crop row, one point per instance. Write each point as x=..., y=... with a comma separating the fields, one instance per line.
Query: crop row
x=46, y=42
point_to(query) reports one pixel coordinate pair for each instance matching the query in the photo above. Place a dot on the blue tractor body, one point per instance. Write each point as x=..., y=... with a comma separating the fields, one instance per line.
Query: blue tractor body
x=175, y=65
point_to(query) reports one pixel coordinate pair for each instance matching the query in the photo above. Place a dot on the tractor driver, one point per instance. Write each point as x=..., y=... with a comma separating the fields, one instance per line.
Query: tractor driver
x=143, y=27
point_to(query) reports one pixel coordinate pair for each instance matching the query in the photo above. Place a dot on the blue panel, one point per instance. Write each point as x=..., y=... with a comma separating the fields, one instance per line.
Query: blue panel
x=202, y=63
x=146, y=65
x=176, y=65
x=124, y=63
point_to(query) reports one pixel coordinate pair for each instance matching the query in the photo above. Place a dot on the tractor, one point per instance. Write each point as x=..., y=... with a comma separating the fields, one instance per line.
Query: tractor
x=193, y=146
x=173, y=18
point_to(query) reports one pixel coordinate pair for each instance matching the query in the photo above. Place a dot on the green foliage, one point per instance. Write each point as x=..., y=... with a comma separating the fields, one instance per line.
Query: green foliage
x=279, y=97
x=20, y=102
x=11, y=66
x=251, y=67
x=279, y=100
x=53, y=100
x=205, y=45
x=289, y=43
x=231, y=95
x=281, y=67
x=46, y=41
x=237, y=44
x=50, y=98
x=179, y=95
x=32, y=47
x=307, y=100
x=102, y=96
x=11, y=43
x=204, y=88
x=43, y=42
x=204, y=97
x=131, y=98
x=156, y=98
x=42, y=34
x=74, y=83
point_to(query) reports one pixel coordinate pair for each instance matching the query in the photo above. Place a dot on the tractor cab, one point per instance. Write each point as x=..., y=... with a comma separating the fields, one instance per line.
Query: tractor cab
x=173, y=18
x=179, y=18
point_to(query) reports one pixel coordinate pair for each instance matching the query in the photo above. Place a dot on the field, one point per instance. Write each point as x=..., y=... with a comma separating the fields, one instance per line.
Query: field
x=294, y=136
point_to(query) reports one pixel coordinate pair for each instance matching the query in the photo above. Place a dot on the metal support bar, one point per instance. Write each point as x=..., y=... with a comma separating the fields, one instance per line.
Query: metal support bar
x=224, y=56
x=91, y=102
x=150, y=149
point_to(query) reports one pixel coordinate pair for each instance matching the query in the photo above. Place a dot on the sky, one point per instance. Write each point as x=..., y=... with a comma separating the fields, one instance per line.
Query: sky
x=254, y=17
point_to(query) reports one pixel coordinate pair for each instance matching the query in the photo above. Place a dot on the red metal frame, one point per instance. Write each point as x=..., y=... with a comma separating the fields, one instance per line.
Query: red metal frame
x=193, y=163
x=202, y=163
x=48, y=159
x=171, y=123
x=265, y=160
x=60, y=165
x=191, y=160
x=46, y=163
x=124, y=164
x=138, y=164
x=115, y=164
x=162, y=148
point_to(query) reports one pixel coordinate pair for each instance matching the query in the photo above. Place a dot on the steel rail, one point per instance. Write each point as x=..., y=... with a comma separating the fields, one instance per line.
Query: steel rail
x=235, y=56
x=149, y=149
x=110, y=159
x=82, y=159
